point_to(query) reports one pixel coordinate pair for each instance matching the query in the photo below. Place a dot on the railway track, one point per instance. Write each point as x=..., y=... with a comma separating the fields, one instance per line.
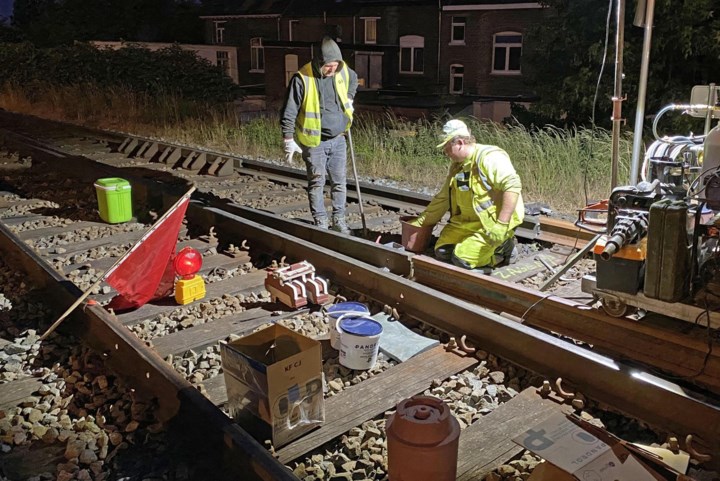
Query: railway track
x=273, y=196
x=355, y=267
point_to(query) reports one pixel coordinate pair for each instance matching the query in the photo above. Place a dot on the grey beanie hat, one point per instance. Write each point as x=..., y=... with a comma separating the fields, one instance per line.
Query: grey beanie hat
x=329, y=52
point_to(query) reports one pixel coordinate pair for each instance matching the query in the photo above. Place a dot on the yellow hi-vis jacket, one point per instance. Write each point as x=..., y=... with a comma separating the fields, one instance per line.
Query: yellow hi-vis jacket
x=471, y=192
x=308, y=125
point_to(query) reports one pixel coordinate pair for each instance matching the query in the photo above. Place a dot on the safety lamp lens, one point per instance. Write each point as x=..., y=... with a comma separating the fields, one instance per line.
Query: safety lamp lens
x=188, y=262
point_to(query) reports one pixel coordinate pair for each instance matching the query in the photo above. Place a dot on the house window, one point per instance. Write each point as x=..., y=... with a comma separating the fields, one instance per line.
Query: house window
x=412, y=48
x=457, y=30
x=457, y=73
x=291, y=66
x=257, y=55
x=220, y=32
x=371, y=29
x=292, y=24
x=507, y=48
x=223, y=61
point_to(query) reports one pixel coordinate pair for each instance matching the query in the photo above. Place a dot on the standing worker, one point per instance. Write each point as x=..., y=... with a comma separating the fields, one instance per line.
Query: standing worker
x=482, y=193
x=317, y=113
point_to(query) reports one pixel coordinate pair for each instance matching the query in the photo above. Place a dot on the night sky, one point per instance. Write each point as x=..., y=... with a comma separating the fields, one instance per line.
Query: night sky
x=6, y=8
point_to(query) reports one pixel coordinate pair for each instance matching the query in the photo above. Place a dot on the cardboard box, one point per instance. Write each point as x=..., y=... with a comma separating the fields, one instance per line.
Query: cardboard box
x=588, y=453
x=274, y=383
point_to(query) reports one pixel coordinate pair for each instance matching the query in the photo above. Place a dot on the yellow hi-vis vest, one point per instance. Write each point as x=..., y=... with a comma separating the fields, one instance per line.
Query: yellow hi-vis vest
x=308, y=125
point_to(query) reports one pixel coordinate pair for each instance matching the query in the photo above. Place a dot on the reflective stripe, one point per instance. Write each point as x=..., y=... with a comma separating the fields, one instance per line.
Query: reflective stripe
x=484, y=206
x=308, y=126
x=481, y=156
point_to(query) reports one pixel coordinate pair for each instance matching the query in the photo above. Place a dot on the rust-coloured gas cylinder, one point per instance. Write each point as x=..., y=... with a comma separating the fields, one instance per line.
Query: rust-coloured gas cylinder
x=422, y=441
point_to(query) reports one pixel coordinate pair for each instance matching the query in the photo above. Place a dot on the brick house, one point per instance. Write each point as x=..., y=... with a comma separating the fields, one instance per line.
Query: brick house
x=481, y=52
x=415, y=57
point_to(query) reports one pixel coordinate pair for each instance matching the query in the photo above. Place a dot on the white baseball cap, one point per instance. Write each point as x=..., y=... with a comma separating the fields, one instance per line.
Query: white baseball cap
x=452, y=129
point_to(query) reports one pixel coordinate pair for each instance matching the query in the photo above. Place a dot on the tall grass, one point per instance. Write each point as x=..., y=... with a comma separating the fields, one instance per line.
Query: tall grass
x=562, y=168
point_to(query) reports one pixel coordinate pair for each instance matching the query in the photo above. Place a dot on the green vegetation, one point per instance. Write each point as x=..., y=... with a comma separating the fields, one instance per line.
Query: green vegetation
x=562, y=56
x=132, y=68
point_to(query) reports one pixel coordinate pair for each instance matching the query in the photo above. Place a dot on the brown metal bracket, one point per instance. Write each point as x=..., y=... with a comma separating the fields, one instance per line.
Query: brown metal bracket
x=702, y=458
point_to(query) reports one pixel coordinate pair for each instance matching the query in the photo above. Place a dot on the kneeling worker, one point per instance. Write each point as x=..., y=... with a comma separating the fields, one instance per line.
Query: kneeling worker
x=482, y=193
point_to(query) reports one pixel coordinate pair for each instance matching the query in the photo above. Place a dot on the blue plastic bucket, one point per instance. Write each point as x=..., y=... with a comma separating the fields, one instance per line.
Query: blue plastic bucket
x=336, y=310
x=359, y=341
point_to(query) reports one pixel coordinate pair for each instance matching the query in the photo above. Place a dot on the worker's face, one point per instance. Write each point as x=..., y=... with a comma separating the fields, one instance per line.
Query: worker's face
x=455, y=150
x=329, y=69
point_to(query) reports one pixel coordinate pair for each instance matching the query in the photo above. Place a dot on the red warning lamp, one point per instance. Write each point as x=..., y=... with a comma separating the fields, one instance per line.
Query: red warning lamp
x=188, y=262
x=190, y=287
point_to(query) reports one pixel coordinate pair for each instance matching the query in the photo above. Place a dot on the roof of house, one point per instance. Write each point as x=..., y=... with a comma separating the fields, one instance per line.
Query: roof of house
x=304, y=7
x=490, y=4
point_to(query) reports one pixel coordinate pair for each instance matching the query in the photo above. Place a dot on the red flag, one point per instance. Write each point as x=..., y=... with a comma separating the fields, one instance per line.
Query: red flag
x=146, y=271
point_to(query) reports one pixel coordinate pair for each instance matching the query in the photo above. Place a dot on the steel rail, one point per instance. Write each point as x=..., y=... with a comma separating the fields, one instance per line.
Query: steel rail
x=179, y=403
x=632, y=391
x=673, y=351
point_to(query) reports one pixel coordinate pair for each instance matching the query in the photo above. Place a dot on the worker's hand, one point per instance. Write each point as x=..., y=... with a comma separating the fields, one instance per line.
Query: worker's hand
x=498, y=233
x=291, y=147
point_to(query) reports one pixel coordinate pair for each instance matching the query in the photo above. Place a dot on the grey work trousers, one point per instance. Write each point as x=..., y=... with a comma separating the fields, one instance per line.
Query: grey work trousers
x=329, y=157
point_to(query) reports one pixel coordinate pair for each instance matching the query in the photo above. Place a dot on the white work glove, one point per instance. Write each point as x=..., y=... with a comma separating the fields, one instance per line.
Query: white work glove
x=291, y=147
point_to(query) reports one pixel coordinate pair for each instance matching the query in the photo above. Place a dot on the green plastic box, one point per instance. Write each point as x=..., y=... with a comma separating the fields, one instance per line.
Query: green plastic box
x=114, y=197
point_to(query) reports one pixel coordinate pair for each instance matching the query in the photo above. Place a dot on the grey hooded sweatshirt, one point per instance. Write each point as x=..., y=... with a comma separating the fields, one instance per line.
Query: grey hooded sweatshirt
x=333, y=120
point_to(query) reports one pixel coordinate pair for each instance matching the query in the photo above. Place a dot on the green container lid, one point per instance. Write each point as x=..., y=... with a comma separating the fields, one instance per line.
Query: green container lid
x=112, y=183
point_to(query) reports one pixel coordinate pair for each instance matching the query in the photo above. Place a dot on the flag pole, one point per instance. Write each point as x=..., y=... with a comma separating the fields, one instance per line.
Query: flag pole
x=89, y=290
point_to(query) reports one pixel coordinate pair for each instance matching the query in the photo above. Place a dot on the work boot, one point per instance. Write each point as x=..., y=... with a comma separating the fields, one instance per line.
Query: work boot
x=507, y=253
x=339, y=225
x=322, y=223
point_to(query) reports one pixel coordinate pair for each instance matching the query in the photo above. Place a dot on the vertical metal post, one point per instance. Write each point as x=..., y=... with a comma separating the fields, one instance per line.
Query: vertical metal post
x=617, y=94
x=642, y=92
x=357, y=183
x=712, y=98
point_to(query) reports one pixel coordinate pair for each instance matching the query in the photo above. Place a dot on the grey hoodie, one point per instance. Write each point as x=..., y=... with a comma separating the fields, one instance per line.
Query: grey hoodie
x=334, y=121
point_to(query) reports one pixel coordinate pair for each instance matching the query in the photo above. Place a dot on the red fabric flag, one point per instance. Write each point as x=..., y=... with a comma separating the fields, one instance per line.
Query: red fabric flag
x=146, y=272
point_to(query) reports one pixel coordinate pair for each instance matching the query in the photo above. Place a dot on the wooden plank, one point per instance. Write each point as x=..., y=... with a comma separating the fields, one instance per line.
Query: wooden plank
x=52, y=231
x=111, y=240
x=527, y=268
x=209, y=262
x=234, y=285
x=11, y=393
x=19, y=219
x=548, y=225
x=577, y=243
x=376, y=395
x=7, y=204
x=487, y=443
x=201, y=336
x=76, y=247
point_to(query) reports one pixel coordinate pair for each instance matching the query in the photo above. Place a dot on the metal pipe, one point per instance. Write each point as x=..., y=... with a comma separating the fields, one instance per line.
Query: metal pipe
x=642, y=92
x=357, y=183
x=617, y=95
x=710, y=101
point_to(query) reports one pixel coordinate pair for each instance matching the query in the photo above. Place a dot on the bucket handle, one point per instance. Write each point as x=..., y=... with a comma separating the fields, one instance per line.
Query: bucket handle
x=348, y=314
